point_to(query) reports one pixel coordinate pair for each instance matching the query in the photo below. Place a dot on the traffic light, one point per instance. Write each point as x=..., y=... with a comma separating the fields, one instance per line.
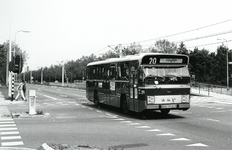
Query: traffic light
x=17, y=64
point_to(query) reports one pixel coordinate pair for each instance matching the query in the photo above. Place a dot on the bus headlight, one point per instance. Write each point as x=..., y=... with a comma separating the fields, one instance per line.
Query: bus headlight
x=185, y=98
x=150, y=100
x=141, y=92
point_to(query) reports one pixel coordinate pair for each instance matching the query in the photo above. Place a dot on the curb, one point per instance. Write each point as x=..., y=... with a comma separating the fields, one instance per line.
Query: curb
x=15, y=148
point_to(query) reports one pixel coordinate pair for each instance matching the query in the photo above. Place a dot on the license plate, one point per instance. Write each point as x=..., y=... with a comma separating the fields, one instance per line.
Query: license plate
x=169, y=106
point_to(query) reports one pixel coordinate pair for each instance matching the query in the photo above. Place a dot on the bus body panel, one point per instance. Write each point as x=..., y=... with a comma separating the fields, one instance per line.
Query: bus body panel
x=111, y=79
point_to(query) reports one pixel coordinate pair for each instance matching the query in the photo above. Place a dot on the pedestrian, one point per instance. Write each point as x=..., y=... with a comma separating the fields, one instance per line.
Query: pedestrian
x=24, y=89
x=20, y=91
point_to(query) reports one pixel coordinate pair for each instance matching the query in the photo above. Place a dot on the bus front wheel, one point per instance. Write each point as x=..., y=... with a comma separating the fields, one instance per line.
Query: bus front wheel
x=165, y=111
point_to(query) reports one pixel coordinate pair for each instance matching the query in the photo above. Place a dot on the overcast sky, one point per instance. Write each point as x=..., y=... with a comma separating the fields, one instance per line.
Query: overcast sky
x=63, y=30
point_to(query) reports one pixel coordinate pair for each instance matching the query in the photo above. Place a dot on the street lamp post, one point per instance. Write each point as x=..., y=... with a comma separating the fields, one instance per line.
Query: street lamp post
x=227, y=65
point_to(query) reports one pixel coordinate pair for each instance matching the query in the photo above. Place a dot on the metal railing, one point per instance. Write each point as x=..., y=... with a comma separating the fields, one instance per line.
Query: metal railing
x=208, y=88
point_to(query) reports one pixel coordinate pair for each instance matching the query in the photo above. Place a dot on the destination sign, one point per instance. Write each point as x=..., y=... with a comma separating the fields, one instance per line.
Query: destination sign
x=164, y=59
x=171, y=60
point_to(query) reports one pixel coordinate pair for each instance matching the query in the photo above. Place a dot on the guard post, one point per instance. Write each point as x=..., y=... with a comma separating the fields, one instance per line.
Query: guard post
x=32, y=102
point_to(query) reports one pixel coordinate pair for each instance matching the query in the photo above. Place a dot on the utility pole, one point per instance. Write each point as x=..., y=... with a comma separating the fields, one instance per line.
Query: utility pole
x=42, y=75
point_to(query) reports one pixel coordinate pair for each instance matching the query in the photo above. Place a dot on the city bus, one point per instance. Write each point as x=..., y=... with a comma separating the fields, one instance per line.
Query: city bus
x=146, y=81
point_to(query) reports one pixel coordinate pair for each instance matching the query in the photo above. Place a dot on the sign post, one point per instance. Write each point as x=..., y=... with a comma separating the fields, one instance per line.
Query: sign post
x=32, y=102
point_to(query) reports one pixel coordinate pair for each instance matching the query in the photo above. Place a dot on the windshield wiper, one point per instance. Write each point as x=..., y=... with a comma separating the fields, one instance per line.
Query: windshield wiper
x=153, y=75
x=173, y=75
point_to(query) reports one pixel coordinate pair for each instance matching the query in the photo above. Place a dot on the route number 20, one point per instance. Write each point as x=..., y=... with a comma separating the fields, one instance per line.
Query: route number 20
x=152, y=60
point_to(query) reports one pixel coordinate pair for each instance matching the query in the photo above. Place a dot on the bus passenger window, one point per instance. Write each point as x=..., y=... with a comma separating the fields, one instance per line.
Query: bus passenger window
x=119, y=74
x=112, y=72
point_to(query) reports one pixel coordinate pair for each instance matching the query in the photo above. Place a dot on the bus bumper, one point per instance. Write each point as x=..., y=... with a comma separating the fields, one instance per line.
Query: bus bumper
x=168, y=106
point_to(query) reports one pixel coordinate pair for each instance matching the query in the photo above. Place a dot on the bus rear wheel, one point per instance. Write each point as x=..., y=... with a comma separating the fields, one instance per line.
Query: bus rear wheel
x=124, y=105
x=165, y=111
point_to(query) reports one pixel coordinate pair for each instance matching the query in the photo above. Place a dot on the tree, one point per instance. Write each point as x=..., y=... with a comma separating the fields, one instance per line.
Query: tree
x=164, y=46
x=182, y=49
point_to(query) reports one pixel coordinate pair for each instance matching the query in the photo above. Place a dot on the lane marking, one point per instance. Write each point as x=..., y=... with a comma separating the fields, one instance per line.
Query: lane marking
x=50, y=97
x=197, y=145
x=133, y=124
x=180, y=139
x=154, y=130
x=142, y=127
x=165, y=134
x=125, y=121
x=217, y=111
x=118, y=119
x=64, y=104
x=213, y=120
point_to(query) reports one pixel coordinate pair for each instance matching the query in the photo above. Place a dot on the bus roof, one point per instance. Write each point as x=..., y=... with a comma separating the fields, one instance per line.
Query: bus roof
x=130, y=58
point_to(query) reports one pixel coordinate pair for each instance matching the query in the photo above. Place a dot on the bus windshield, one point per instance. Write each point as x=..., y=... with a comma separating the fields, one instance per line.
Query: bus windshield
x=166, y=75
x=166, y=72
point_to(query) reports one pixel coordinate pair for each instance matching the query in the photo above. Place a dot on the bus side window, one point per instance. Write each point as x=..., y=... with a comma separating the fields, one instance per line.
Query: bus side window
x=119, y=74
x=124, y=71
x=112, y=72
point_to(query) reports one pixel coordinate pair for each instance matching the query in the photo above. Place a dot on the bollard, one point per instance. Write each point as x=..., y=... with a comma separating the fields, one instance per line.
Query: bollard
x=32, y=102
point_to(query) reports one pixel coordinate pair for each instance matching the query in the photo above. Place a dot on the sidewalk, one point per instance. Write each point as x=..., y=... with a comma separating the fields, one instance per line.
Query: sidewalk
x=213, y=97
x=4, y=112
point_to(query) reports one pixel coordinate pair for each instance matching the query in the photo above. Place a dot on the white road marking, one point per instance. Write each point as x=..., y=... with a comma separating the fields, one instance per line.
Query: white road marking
x=125, y=121
x=8, y=125
x=10, y=119
x=213, y=120
x=7, y=122
x=180, y=139
x=50, y=97
x=7, y=129
x=154, y=130
x=10, y=137
x=9, y=133
x=165, y=134
x=17, y=143
x=118, y=119
x=198, y=145
x=143, y=127
x=133, y=124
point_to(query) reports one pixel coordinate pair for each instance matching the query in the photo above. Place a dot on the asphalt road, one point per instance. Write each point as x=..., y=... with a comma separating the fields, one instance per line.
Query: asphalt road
x=76, y=121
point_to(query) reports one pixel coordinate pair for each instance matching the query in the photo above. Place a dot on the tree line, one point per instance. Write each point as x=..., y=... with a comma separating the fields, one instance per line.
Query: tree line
x=208, y=67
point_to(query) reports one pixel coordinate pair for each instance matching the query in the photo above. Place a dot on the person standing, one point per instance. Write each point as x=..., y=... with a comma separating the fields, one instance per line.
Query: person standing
x=24, y=89
x=20, y=91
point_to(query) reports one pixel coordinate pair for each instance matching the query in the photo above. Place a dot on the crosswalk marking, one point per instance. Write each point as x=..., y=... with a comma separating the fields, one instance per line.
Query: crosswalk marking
x=10, y=137
x=16, y=143
x=9, y=134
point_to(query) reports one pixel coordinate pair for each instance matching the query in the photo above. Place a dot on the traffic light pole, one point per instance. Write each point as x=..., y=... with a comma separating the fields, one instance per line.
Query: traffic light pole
x=9, y=79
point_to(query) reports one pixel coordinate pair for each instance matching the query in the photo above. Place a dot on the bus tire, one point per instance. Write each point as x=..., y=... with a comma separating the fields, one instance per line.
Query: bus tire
x=96, y=99
x=165, y=111
x=124, y=106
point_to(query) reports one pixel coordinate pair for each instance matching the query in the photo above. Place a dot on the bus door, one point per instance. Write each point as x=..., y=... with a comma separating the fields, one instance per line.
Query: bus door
x=112, y=88
x=106, y=85
x=133, y=102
